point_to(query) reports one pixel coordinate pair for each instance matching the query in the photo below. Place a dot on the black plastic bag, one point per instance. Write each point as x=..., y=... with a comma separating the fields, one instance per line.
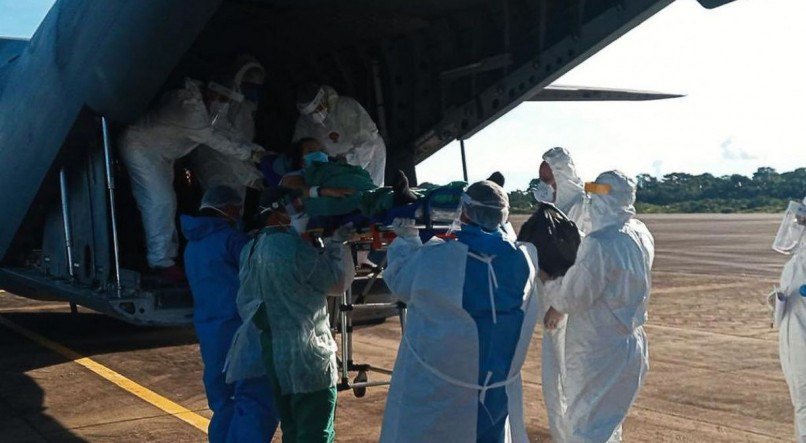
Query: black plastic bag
x=555, y=236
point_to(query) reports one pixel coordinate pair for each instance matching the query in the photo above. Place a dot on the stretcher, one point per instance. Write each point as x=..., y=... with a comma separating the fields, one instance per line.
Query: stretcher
x=433, y=221
x=376, y=240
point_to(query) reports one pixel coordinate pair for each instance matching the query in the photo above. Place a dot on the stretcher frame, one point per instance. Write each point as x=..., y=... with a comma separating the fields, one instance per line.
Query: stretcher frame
x=376, y=240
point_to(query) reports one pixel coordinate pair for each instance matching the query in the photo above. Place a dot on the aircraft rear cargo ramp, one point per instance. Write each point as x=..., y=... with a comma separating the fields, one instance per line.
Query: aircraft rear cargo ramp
x=429, y=72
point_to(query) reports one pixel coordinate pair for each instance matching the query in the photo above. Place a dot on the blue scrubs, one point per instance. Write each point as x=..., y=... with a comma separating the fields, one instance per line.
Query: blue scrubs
x=242, y=411
x=497, y=341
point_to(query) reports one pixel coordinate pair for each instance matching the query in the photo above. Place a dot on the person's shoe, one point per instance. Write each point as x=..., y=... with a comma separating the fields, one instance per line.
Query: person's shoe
x=171, y=274
x=403, y=194
x=497, y=178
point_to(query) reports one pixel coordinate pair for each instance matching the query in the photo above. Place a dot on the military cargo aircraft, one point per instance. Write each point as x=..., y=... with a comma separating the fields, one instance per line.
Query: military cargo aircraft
x=429, y=72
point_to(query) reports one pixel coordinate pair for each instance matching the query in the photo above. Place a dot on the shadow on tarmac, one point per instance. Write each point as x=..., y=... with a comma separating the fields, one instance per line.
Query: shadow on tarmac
x=23, y=416
x=26, y=419
x=91, y=334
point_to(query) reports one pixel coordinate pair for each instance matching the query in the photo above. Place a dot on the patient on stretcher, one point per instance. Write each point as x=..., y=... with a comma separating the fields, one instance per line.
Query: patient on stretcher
x=332, y=189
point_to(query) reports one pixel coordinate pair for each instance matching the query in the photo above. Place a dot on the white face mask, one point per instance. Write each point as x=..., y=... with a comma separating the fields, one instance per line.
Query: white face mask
x=543, y=192
x=318, y=117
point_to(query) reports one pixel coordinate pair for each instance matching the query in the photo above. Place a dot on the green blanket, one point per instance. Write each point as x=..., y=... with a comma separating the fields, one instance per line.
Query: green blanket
x=369, y=199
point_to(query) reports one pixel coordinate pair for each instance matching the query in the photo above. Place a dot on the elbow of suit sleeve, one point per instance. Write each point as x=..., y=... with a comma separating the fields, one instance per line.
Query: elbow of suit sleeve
x=401, y=270
x=240, y=149
x=582, y=285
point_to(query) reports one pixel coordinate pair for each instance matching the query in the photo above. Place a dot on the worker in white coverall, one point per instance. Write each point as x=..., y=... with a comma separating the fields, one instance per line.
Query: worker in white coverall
x=558, y=171
x=605, y=293
x=791, y=294
x=181, y=122
x=559, y=184
x=343, y=126
x=214, y=168
x=472, y=308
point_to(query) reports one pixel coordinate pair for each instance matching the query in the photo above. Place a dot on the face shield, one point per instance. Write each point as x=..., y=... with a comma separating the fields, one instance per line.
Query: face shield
x=223, y=105
x=790, y=236
x=316, y=109
x=219, y=198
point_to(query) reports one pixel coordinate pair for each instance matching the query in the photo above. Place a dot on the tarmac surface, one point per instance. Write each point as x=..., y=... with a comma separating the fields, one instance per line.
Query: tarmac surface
x=714, y=371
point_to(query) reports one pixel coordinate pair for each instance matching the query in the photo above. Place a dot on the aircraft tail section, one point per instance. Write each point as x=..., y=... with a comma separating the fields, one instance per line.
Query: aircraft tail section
x=110, y=57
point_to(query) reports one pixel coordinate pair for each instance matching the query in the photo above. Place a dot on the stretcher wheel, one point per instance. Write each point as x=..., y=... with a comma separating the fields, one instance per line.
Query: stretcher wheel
x=360, y=378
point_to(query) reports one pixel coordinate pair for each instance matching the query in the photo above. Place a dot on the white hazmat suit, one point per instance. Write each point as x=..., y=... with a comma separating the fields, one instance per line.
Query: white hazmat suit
x=214, y=168
x=606, y=294
x=570, y=196
x=435, y=392
x=178, y=125
x=792, y=329
x=346, y=130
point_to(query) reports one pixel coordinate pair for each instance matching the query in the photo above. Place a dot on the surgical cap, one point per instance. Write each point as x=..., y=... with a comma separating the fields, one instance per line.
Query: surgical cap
x=219, y=197
x=486, y=204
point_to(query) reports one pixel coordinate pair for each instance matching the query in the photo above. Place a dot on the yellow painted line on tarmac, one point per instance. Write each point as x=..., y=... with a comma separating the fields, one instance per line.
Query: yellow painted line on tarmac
x=34, y=308
x=145, y=394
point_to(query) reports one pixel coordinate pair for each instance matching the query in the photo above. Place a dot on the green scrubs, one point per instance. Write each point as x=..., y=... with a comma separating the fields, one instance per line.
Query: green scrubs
x=290, y=279
x=304, y=418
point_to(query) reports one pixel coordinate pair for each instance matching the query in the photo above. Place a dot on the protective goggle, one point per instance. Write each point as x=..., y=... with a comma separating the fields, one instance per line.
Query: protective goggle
x=597, y=188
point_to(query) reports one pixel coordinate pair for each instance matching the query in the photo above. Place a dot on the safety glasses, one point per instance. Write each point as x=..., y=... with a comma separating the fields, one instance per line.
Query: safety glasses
x=597, y=188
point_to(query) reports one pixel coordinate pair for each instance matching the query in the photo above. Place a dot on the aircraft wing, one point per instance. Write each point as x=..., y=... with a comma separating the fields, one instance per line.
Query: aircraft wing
x=558, y=93
x=711, y=4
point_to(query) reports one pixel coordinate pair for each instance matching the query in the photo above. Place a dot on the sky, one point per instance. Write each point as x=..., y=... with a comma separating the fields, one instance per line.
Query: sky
x=20, y=18
x=740, y=66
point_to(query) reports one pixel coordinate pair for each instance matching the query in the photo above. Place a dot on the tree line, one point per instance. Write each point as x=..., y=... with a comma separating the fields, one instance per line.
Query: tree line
x=766, y=191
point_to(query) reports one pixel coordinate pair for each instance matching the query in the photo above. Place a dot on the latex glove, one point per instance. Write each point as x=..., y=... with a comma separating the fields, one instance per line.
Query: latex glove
x=770, y=299
x=257, y=153
x=405, y=227
x=553, y=318
x=343, y=234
